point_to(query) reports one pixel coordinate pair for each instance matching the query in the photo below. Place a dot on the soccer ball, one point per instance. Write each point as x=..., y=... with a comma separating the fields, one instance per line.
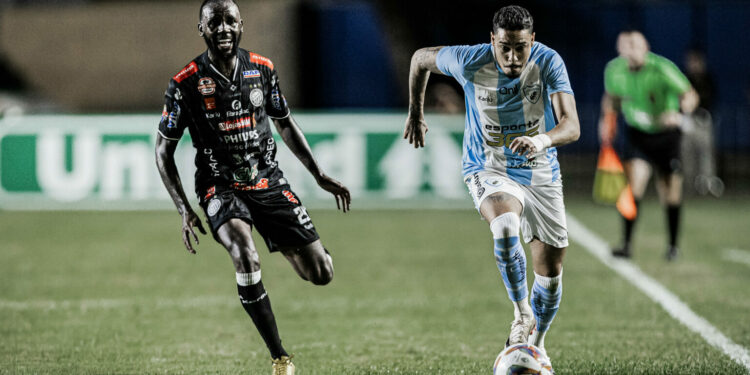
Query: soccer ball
x=522, y=359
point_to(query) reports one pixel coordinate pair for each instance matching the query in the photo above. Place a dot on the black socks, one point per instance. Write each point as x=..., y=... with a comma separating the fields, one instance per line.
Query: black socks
x=257, y=304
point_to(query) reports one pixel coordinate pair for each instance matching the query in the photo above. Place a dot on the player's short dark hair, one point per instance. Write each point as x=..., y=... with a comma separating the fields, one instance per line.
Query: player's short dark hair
x=207, y=2
x=512, y=17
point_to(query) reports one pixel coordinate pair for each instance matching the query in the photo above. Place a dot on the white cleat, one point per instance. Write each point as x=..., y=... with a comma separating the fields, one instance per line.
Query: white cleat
x=520, y=330
x=545, y=361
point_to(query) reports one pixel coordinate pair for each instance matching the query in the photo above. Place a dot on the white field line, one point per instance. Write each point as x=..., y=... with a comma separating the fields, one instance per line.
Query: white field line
x=658, y=293
x=737, y=255
x=105, y=304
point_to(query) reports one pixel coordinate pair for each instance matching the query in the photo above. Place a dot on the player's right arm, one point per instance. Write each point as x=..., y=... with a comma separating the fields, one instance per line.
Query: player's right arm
x=171, y=127
x=423, y=62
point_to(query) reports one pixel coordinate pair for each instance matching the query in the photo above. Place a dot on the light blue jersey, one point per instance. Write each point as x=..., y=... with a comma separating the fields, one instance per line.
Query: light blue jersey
x=500, y=109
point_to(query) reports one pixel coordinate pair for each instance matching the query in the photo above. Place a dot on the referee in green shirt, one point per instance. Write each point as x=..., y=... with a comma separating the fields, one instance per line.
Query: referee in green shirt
x=649, y=91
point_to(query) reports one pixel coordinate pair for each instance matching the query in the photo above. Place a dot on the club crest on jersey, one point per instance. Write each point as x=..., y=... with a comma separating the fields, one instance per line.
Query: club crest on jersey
x=532, y=92
x=213, y=206
x=206, y=86
x=251, y=74
x=256, y=97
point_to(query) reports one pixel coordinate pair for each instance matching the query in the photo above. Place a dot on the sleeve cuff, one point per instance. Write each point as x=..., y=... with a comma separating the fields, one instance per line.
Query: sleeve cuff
x=165, y=137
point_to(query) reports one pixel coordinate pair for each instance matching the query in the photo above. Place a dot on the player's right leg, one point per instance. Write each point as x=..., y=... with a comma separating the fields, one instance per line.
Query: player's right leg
x=502, y=211
x=638, y=172
x=236, y=236
x=500, y=203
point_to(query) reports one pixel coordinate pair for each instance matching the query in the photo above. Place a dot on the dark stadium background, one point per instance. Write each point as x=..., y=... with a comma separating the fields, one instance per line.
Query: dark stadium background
x=116, y=57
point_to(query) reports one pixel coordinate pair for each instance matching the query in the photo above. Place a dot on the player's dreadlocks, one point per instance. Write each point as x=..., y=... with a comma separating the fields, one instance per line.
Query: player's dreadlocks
x=512, y=17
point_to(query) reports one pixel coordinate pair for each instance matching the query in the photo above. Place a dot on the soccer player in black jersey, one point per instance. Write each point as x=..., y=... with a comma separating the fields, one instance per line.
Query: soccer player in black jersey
x=225, y=98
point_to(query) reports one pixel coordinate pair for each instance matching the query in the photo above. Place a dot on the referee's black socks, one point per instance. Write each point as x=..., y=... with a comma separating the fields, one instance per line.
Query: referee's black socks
x=673, y=222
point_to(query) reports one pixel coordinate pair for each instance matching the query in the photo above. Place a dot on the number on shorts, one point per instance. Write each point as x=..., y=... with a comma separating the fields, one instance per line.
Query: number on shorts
x=302, y=215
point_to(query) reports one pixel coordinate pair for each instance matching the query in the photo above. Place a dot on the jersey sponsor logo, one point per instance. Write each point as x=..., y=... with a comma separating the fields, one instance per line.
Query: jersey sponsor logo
x=245, y=174
x=478, y=184
x=206, y=86
x=256, y=97
x=487, y=97
x=210, y=103
x=262, y=184
x=210, y=192
x=262, y=60
x=173, y=117
x=290, y=197
x=213, y=206
x=251, y=74
x=529, y=163
x=276, y=99
x=189, y=70
x=508, y=90
x=236, y=105
x=507, y=133
x=212, y=163
x=268, y=156
x=164, y=113
x=241, y=137
x=240, y=123
x=532, y=92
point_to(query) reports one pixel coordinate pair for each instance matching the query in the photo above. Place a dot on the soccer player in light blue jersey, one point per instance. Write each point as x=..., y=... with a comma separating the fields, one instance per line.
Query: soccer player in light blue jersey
x=511, y=86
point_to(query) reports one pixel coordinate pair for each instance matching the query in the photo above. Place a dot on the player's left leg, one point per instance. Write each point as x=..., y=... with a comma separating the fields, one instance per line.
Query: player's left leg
x=669, y=188
x=312, y=262
x=669, y=184
x=547, y=290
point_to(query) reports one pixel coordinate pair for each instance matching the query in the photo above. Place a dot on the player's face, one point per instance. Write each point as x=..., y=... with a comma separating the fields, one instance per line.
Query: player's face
x=512, y=49
x=634, y=48
x=221, y=28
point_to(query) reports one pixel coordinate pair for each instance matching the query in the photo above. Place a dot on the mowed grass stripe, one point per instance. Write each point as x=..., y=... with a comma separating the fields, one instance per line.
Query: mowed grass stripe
x=658, y=293
x=737, y=256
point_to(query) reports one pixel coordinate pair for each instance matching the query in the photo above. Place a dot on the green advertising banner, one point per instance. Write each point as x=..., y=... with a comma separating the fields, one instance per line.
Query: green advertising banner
x=107, y=162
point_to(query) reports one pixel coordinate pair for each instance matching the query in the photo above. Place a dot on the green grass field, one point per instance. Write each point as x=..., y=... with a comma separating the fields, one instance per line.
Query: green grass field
x=415, y=292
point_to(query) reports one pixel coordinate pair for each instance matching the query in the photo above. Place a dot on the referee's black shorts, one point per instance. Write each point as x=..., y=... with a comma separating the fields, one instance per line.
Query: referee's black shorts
x=661, y=149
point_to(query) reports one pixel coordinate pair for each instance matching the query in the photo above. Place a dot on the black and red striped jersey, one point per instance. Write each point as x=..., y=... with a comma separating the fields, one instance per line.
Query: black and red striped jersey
x=228, y=121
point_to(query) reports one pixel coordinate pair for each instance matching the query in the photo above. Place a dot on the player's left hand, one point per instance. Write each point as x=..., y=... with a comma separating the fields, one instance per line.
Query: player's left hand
x=671, y=119
x=523, y=146
x=343, y=198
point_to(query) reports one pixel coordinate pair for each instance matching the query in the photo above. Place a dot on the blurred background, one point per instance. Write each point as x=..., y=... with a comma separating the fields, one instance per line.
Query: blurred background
x=344, y=69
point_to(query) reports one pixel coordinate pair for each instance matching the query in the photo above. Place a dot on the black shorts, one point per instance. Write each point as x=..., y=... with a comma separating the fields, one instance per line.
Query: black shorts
x=277, y=213
x=661, y=149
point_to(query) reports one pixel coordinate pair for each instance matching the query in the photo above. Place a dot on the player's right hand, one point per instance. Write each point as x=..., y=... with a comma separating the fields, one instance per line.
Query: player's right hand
x=190, y=220
x=415, y=131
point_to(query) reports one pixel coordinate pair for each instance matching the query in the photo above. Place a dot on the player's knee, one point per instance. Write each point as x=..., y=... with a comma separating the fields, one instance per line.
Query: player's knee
x=323, y=273
x=506, y=225
x=323, y=276
x=245, y=258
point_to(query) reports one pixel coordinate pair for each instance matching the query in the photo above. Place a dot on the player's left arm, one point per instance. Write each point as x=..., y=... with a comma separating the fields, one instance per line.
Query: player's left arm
x=294, y=138
x=568, y=128
x=677, y=82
